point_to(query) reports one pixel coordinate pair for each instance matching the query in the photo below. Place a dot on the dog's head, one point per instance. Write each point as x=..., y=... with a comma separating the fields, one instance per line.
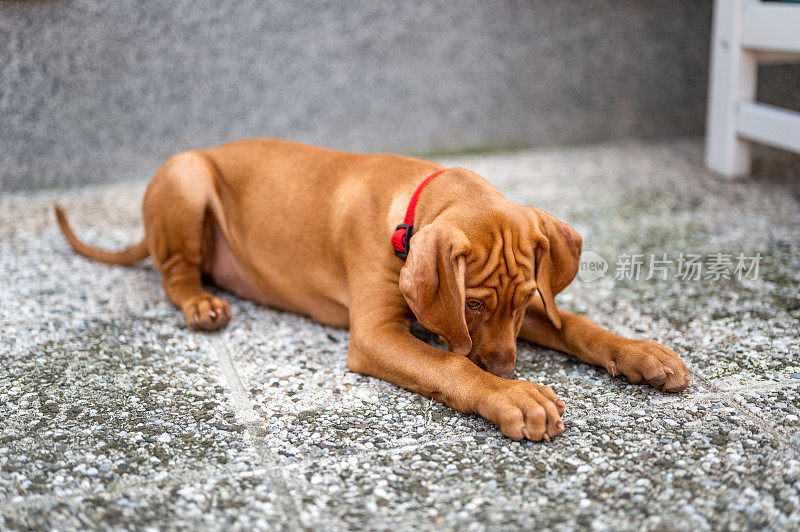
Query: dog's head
x=470, y=277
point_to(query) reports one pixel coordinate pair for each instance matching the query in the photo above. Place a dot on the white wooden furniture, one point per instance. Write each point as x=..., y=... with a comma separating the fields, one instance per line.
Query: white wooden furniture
x=746, y=33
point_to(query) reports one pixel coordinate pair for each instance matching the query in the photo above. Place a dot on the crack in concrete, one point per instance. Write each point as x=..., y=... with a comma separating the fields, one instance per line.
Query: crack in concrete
x=243, y=406
x=242, y=402
x=778, y=433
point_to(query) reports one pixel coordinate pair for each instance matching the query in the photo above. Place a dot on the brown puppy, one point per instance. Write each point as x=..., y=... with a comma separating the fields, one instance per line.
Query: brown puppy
x=307, y=229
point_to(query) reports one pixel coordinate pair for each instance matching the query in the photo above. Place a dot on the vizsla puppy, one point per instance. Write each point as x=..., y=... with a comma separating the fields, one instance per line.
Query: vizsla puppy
x=308, y=230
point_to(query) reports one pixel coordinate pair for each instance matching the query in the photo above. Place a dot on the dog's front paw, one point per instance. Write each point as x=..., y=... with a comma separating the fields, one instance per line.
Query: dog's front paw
x=522, y=409
x=645, y=361
x=206, y=313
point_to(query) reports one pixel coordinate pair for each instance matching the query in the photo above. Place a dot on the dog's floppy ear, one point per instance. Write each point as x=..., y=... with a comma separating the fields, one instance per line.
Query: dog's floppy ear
x=432, y=282
x=557, y=256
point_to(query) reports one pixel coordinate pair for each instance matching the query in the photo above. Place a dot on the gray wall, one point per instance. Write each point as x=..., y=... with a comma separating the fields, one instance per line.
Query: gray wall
x=100, y=90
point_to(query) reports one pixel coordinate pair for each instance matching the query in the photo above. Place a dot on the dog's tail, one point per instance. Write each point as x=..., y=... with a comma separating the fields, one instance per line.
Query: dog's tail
x=125, y=257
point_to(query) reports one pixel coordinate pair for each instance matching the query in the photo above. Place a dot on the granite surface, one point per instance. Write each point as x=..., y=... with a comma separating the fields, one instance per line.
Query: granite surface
x=114, y=415
x=97, y=91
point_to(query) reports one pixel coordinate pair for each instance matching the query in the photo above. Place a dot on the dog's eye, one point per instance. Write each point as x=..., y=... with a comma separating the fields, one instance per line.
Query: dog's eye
x=527, y=297
x=474, y=304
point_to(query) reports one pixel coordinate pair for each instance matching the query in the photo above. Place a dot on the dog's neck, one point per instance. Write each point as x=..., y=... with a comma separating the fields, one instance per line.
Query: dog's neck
x=449, y=190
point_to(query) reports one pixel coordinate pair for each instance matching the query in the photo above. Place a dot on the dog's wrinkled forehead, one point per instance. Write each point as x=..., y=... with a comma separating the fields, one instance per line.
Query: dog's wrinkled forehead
x=501, y=264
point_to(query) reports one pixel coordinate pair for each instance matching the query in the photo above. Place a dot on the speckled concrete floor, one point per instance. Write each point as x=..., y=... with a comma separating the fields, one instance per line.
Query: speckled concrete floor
x=113, y=414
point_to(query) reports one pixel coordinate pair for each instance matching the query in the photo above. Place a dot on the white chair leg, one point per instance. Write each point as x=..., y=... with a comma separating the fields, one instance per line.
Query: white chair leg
x=732, y=81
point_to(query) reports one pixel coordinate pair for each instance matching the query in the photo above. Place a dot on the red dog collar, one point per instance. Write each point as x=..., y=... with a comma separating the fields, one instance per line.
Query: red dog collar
x=403, y=231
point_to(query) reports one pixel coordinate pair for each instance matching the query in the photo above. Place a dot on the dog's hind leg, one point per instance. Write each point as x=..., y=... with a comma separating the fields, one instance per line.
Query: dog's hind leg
x=177, y=208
